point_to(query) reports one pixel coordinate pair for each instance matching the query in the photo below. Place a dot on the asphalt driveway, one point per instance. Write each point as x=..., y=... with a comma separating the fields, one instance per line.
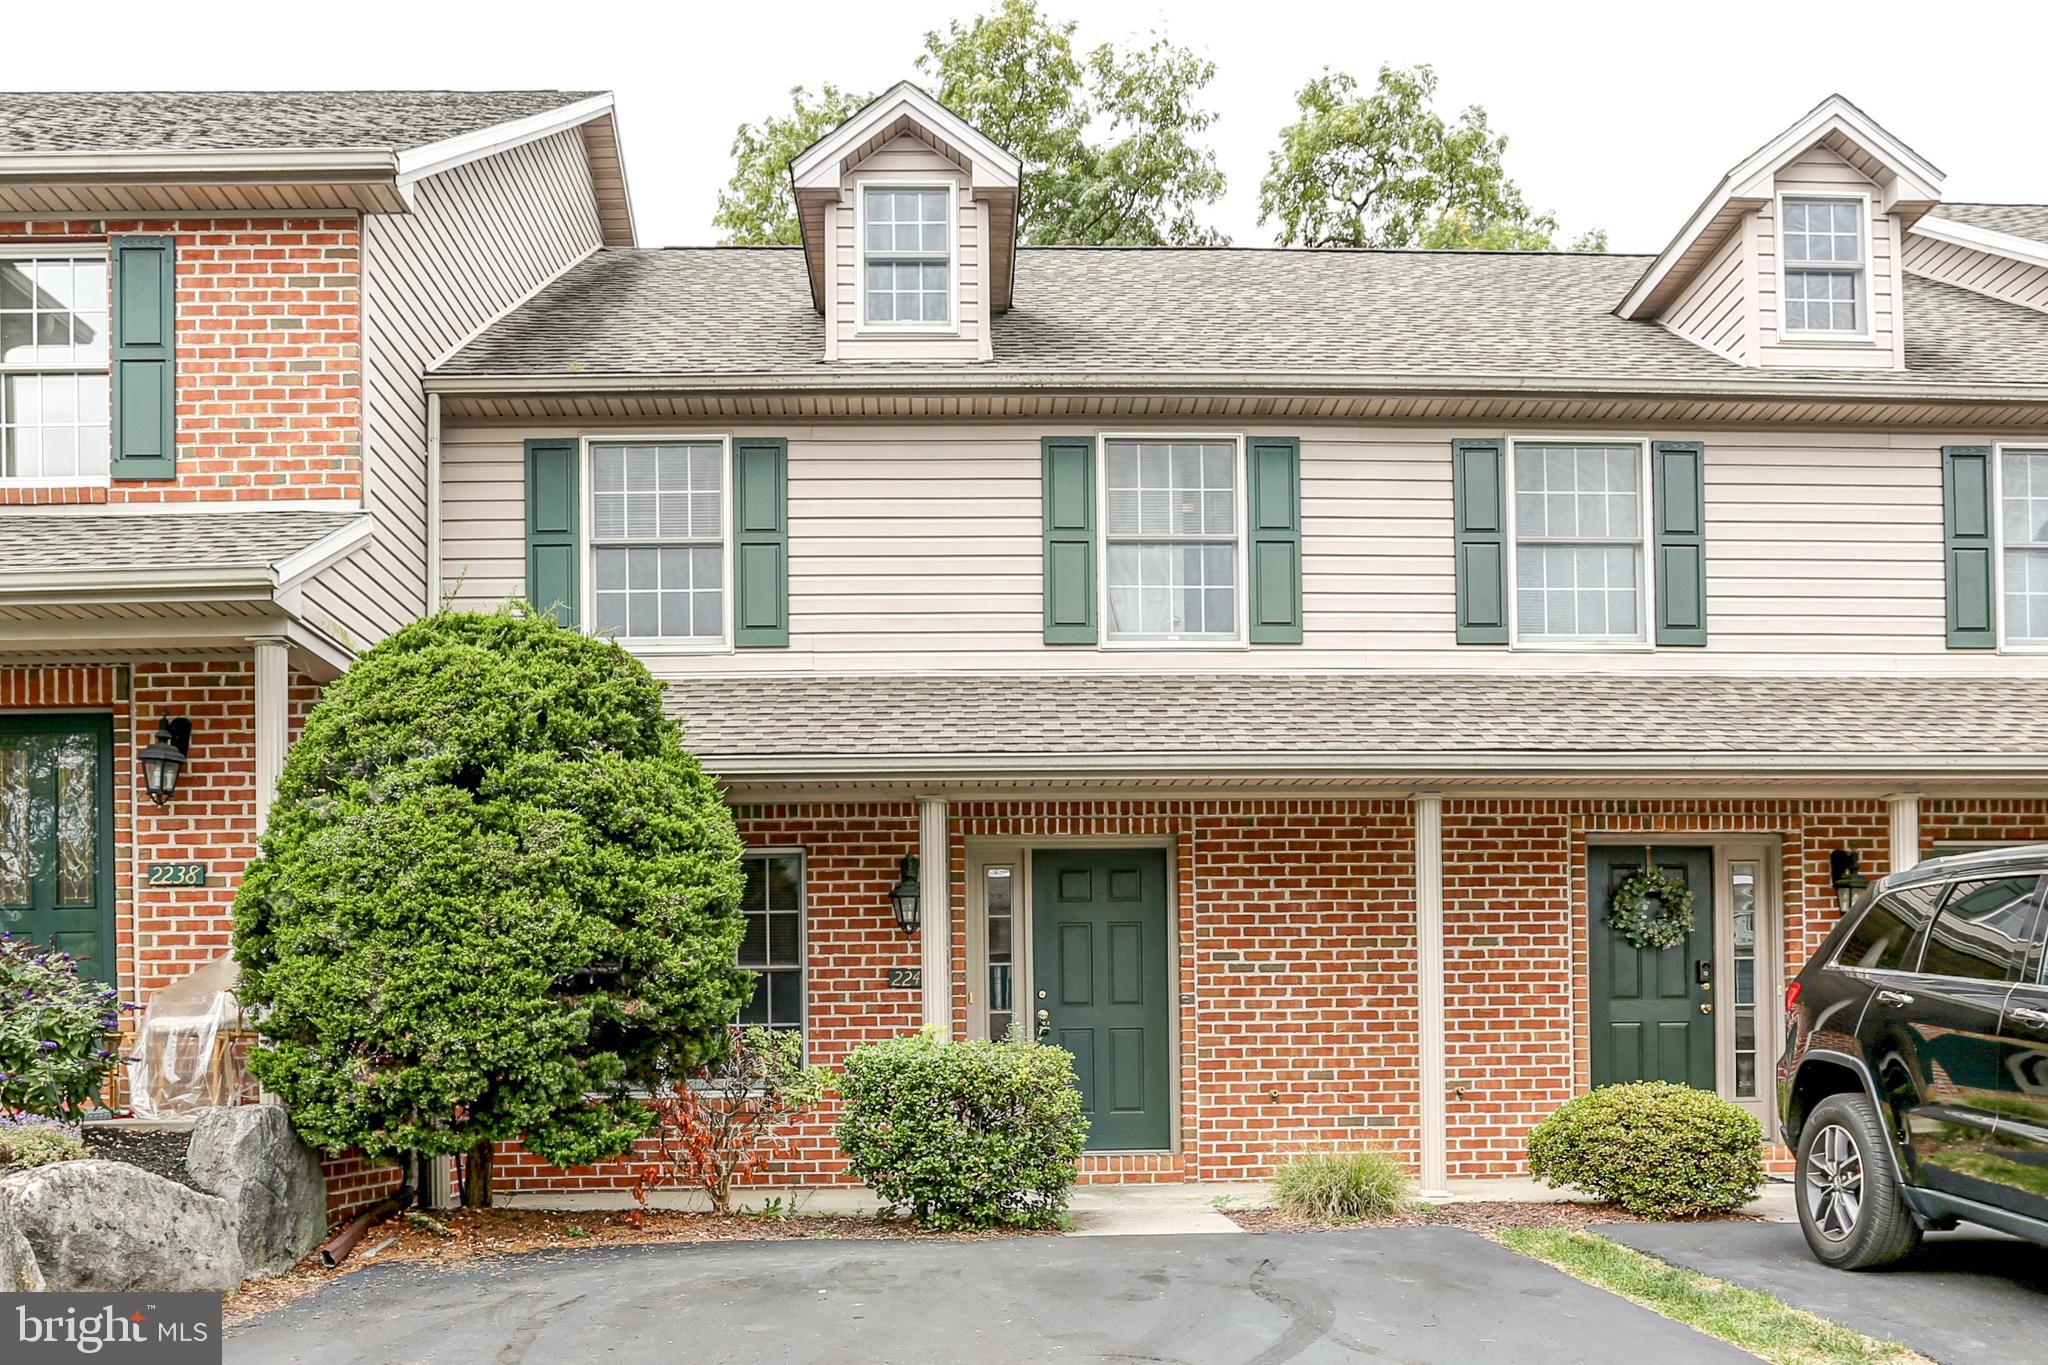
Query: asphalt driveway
x=1400, y=1294
x=1968, y=1296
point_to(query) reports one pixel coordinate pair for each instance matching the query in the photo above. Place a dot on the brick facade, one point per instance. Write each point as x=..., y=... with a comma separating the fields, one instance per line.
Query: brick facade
x=269, y=359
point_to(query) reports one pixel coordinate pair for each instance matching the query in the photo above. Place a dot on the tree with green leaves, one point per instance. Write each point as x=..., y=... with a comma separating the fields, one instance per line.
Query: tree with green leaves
x=1386, y=170
x=495, y=899
x=758, y=206
x=1111, y=141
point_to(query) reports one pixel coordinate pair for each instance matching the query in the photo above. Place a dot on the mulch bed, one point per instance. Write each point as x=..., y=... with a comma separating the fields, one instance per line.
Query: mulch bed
x=1477, y=1217
x=467, y=1235
x=159, y=1153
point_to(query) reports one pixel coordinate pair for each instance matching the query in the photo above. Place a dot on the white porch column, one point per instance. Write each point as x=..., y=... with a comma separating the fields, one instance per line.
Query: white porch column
x=1905, y=813
x=273, y=687
x=1429, y=995
x=935, y=913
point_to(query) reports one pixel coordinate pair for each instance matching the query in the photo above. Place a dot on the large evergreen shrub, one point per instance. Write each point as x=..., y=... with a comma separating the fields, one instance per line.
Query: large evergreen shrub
x=494, y=895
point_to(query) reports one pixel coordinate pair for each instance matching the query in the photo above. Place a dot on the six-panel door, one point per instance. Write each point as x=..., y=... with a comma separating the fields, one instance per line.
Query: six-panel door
x=1651, y=1008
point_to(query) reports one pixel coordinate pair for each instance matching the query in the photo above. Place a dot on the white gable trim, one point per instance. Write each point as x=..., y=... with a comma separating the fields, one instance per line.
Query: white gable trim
x=436, y=157
x=818, y=166
x=1749, y=184
x=2023, y=249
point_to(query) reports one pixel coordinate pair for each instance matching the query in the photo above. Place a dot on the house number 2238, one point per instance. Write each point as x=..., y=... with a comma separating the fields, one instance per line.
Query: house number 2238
x=176, y=874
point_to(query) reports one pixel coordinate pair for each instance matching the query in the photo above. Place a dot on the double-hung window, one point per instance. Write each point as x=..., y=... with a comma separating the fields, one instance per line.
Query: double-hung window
x=1579, y=519
x=54, y=355
x=2023, y=548
x=907, y=256
x=657, y=540
x=773, y=945
x=1824, y=255
x=1172, y=535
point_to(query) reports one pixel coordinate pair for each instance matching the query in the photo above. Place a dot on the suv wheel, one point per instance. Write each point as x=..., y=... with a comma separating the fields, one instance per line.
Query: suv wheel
x=1847, y=1191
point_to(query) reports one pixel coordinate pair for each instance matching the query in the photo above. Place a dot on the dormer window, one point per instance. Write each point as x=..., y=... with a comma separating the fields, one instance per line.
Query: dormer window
x=907, y=256
x=1826, y=260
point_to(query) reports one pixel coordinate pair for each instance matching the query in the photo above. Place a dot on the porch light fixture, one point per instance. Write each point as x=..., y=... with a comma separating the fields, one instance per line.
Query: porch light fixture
x=904, y=896
x=164, y=757
x=1848, y=878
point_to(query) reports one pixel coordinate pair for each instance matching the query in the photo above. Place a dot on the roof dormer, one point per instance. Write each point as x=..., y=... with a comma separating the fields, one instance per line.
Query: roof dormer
x=1796, y=258
x=909, y=228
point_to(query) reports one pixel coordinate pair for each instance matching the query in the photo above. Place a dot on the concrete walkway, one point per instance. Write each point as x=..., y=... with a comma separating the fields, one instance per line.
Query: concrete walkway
x=1418, y=1295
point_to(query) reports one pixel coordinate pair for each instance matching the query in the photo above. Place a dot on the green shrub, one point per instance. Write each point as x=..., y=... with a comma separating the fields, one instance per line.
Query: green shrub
x=495, y=897
x=1658, y=1150
x=1336, y=1185
x=23, y=1145
x=53, y=1031
x=964, y=1135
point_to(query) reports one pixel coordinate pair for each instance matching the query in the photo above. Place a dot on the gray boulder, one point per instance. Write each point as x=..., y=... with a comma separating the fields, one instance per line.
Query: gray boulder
x=248, y=1155
x=110, y=1227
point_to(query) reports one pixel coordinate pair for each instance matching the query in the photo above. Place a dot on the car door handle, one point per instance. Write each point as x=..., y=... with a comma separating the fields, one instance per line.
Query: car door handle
x=1895, y=997
x=2038, y=1018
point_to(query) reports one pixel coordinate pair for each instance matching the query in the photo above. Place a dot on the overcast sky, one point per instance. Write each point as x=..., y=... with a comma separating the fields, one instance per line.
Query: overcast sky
x=1617, y=115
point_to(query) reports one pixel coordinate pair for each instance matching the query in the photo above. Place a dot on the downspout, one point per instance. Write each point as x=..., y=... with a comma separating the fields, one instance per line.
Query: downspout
x=433, y=575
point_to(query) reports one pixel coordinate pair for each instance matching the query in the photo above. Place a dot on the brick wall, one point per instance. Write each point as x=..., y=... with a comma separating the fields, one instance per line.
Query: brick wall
x=354, y=1182
x=269, y=358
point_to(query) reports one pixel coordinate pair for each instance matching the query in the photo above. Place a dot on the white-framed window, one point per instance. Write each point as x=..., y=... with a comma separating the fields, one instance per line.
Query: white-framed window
x=55, y=352
x=772, y=948
x=1173, y=537
x=2020, y=483
x=1579, y=522
x=659, y=538
x=1824, y=246
x=906, y=265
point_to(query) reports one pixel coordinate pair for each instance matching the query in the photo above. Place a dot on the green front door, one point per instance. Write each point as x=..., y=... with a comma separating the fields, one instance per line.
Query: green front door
x=1100, y=987
x=1652, y=1009
x=56, y=857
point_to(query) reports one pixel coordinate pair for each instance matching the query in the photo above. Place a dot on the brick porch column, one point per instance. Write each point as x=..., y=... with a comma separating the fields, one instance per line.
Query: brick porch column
x=1429, y=992
x=935, y=913
x=1905, y=813
x=273, y=689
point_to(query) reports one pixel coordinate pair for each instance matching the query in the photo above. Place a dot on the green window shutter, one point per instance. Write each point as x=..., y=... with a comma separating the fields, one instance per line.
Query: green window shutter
x=760, y=523
x=1069, y=480
x=1678, y=487
x=1275, y=552
x=1966, y=538
x=1479, y=512
x=553, y=519
x=145, y=358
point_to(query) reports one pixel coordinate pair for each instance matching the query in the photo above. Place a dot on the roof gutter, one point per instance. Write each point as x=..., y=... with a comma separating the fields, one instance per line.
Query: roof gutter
x=268, y=166
x=874, y=380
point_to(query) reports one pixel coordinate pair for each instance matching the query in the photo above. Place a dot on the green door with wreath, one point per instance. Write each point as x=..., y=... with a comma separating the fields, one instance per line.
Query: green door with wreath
x=1652, y=1007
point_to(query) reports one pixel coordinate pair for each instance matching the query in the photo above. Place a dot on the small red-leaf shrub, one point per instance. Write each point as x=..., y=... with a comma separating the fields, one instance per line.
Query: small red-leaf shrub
x=734, y=1117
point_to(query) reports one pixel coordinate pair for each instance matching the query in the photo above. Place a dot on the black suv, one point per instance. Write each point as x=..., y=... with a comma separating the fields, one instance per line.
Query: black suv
x=1914, y=1085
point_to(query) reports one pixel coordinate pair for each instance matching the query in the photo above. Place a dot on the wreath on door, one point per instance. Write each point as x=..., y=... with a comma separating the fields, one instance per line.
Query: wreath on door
x=1652, y=909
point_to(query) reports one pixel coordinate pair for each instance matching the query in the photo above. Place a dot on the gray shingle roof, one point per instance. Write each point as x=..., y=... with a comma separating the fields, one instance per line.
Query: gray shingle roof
x=1086, y=311
x=2020, y=220
x=989, y=725
x=258, y=120
x=157, y=541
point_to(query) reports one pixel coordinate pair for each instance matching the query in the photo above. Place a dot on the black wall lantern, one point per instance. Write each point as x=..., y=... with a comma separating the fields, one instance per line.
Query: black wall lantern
x=164, y=757
x=904, y=896
x=1844, y=871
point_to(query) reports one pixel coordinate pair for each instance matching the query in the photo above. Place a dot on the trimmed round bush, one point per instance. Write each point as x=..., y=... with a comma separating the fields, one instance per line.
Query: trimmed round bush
x=1339, y=1185
x=964, y=1135
x=494, y=899
x=1657, y=1149
x=53, y=1032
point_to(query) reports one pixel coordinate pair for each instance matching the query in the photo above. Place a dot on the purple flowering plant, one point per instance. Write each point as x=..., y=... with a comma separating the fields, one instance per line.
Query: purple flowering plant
x=53, y=1032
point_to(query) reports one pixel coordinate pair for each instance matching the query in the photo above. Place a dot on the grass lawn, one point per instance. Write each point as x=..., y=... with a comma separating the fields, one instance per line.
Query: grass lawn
x=1754, y=1321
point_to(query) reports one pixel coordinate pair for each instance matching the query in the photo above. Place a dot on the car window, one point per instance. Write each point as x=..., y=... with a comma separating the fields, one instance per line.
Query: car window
x=1983, y=931
x=1887, y=938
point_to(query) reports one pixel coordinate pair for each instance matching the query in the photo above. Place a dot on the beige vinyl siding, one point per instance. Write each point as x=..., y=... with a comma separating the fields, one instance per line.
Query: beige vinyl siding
x=1821, y=172
x=480, y=238
x=1714, y=309
x=2001, y=277
x=906, y=159
x=917, y=547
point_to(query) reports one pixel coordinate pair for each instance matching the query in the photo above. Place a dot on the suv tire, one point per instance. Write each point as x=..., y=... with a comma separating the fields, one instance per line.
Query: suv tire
x=1847, y=1188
